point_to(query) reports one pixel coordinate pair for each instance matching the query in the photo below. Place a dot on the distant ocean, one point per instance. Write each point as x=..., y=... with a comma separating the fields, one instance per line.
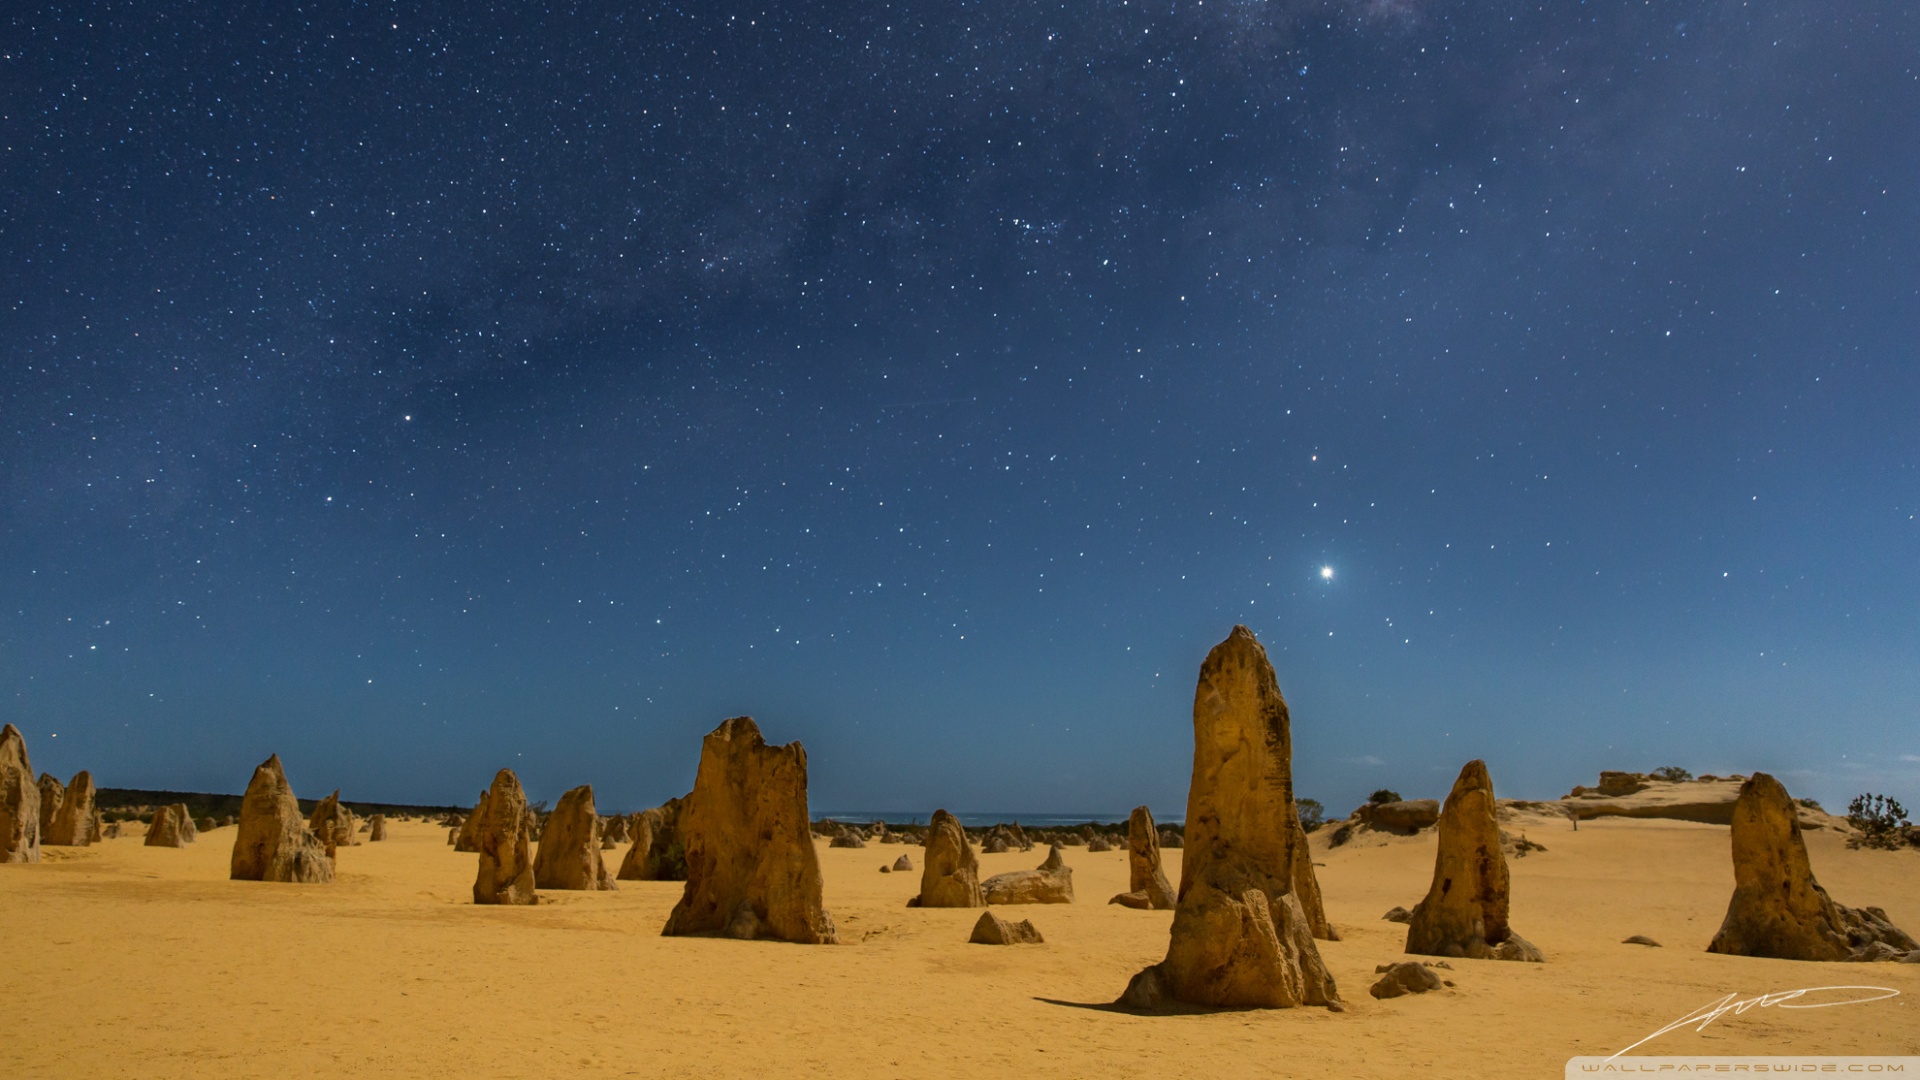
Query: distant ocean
x=973, y=819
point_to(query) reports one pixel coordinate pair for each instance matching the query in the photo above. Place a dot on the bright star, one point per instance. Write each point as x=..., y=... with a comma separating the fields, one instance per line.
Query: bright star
x=1326, y=573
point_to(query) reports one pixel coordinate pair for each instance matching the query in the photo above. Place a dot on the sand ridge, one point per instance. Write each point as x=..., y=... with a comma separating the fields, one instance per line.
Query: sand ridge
x=128, y=961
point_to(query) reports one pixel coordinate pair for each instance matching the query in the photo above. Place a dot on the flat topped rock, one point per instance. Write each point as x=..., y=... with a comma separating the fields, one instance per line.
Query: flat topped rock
x=1708, y=800
x=1051, y=883
x=752, y=871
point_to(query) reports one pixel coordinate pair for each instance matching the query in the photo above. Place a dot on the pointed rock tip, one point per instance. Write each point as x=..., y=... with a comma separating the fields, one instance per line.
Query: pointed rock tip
x=1474, y=777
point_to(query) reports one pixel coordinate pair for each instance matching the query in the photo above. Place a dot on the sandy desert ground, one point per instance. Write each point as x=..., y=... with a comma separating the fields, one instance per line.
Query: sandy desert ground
x=127, y=961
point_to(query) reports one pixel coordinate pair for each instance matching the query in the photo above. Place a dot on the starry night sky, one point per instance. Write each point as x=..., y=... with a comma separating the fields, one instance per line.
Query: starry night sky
x=418, y=389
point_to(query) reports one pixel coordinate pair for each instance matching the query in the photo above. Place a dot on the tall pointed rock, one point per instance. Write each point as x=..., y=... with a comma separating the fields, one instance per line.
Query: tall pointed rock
x=1778, y=909
x=951, y=877
x=52, y=794
x=272, y=842
x=1240, y=936
x=1146, y=882
x=503, y=835
x=1465, y=910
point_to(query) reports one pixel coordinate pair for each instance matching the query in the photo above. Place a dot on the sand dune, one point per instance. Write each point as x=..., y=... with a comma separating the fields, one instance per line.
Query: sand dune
x=128, y=961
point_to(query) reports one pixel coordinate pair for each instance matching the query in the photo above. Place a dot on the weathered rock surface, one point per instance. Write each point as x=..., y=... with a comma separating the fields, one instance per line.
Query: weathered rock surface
x=1147, y=886
x=273, y=842
x=1708, y=799
x=168, y=828
x=952, y=874
x=617, y=829
x=333, y=824
x=847, y=838
x=1051, y=883
x=1406, y=816
x=52, y=792
x=1171, y=839
x=73, y=822
x=569, y=856
x=468, y=836
x=903, y=864
x=503, y=835
x=376, y=828
x=1465, y=910
x=1406, y=977
x=751, y=867
x=1240, y=936
x=19, y=800
x=189, y=829
x=1098, y=845
x=657, y=853
x=994, y=930
x=1778, y=910
x=1398, y=914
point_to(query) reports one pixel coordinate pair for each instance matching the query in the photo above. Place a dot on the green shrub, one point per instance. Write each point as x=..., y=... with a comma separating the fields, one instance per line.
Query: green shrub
x=1881, y=820
x=1671, y=772
x=1384, y=795
x=1312, y=814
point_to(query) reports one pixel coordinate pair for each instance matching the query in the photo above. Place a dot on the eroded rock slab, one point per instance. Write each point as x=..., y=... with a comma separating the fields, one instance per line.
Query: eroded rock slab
x=751, y=867
x=657, y=853
x=569, y=857
x=19, y=800
x=994, y=930
x=74, y=822
x=1050, y=883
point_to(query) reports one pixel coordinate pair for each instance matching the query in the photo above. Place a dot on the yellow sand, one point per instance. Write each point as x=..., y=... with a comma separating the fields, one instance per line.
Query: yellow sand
x=127, y=961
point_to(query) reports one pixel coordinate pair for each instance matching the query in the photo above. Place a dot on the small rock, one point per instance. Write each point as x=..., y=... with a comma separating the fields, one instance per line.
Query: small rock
x=1399, y=915
x=994, y=930
x=1404, y=978
x=903, y=863
x=1640, y=939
